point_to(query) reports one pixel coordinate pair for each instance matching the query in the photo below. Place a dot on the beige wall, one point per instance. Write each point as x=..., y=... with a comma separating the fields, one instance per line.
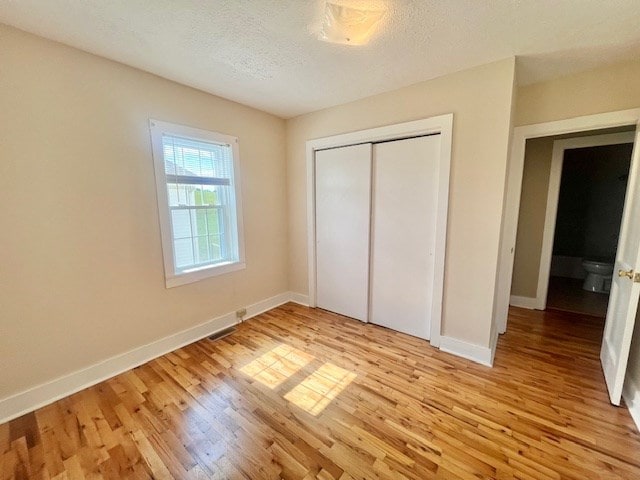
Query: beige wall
x=481, y=100
x=81, y=273
x=607, y=89
x=533, y=203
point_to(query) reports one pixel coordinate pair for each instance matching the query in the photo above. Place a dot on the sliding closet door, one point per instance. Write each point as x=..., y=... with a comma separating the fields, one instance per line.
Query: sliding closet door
x=405, y=189
x=343, y=210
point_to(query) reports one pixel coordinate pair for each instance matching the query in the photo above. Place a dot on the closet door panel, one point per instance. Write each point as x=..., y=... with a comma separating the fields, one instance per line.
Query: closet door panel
x=405, y=183
x=343, y=210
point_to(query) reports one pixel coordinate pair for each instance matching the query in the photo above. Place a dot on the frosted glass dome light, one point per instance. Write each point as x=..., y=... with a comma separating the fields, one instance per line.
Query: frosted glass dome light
x=350, y=25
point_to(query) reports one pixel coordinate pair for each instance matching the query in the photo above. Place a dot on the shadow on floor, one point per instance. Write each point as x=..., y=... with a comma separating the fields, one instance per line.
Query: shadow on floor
x=566, y=294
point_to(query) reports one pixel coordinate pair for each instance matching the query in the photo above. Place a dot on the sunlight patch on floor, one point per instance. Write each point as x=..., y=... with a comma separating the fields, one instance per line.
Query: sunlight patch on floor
x=278, y=364
x=316, y=391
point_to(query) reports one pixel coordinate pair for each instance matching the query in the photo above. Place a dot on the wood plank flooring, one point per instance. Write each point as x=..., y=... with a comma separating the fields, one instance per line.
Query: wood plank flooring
x=299, y=393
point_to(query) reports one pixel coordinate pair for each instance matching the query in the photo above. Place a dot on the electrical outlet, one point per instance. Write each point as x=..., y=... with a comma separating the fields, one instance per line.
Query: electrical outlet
x=241, y=313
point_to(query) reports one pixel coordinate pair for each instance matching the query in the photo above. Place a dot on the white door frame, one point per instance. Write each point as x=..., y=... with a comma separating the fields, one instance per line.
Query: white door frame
x=514, y=187
x=443, y=125
x=553, y=193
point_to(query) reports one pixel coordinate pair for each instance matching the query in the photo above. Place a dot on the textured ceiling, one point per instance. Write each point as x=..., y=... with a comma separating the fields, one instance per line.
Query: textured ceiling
x=265, y=53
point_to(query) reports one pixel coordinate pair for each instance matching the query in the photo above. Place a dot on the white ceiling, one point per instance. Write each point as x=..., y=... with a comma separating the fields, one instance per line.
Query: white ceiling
x=264, y=53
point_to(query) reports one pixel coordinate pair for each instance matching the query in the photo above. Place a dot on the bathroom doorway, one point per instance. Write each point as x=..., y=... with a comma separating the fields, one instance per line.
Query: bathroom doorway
x=525, y=235
x=573, y=195
x=589, y=211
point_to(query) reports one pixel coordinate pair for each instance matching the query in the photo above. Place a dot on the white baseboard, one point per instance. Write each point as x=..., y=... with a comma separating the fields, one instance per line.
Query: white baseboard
x=470, y=351
x=28, y=400
x=300, y=299
x=523, y=302
x=266, y=305
x=631, y=395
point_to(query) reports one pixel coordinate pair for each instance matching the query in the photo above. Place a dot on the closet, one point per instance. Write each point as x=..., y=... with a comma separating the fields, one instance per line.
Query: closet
x=376, y=215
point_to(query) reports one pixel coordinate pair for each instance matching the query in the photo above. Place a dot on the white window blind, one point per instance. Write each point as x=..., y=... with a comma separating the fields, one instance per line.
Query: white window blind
x=201, y=211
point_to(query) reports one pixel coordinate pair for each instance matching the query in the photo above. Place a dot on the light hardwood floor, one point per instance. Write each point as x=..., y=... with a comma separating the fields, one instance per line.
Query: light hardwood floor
x=302, y=393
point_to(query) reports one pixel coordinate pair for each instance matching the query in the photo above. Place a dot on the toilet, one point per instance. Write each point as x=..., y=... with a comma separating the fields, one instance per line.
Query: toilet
x=599, y=275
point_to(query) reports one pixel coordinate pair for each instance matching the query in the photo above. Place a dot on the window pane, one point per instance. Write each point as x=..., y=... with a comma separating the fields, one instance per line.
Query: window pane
x=183, y=251
x=182, y=195
x=201, y=199
x=209, y=195
x=197, y=196
x=216, y=247
x=201, y=250
x=188, y=157
x=191, y=194
x=178, y=160
x=191, y=161
x=222, y=195
x=206, y=159
x=169, y=159
x=213, y=221
x=181, y=223
x=199, y=222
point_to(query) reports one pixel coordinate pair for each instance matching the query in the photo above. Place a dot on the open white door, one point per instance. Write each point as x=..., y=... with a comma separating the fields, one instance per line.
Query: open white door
x=625, y=288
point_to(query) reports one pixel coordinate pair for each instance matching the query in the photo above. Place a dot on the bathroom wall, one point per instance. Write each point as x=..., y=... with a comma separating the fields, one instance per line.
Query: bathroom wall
x=611, y=169
x=573, y=205
x=590, y=205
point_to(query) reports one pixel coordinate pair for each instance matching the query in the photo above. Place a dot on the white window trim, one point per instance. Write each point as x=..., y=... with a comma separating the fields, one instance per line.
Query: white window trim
x=173, y=279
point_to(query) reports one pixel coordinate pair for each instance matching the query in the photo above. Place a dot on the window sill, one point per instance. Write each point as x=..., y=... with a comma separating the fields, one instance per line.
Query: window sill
x=202, y=273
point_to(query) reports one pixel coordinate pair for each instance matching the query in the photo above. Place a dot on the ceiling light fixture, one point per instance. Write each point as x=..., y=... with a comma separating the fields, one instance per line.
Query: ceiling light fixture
x=350, y=25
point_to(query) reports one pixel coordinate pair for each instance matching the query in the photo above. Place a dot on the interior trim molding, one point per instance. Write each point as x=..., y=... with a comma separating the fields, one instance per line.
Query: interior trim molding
x=530, y=303
x=265, y=305
x=299, y=298
x=441, y=124
x=553, y=196
x=40, y=395
x=631, y=395
x=470, y=351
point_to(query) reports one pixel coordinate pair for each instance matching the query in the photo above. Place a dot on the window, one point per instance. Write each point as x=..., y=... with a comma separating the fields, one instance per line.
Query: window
x=198, y=201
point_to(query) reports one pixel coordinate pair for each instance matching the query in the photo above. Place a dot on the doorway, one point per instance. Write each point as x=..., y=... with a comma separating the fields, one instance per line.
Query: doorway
x=625, y=284
x=566, y=246
x=589, y=205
